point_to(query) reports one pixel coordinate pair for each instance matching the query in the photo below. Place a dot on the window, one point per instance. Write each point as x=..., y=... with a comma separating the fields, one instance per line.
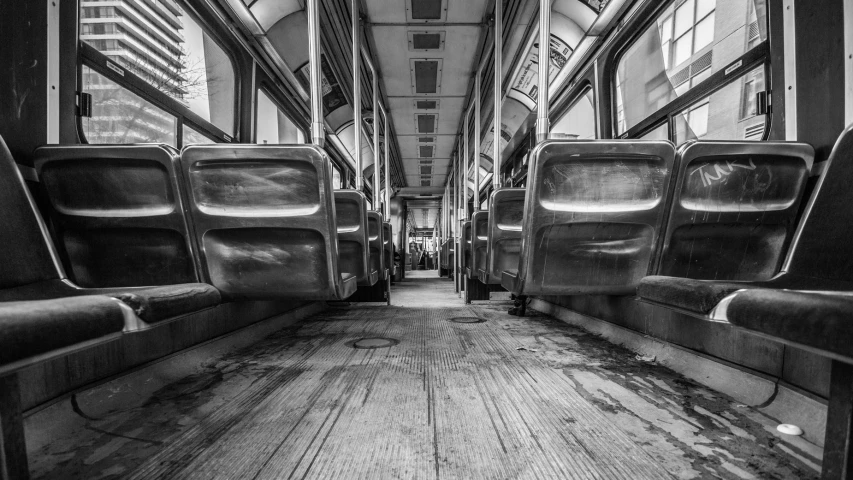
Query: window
x=272, y=125
x=718, y=117
x=682, y=48
x=192, y=136
x=661, y=132
x=121, y=116
x=336, y=178
x=579, y=121
x=167, y=49
x=752, y=84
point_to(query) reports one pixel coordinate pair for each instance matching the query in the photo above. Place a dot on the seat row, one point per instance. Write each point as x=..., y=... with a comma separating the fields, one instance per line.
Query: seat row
x=709, y=230
x=145, y=235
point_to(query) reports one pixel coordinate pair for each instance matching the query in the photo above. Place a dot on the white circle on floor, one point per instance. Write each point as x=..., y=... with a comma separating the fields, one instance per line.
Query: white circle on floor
x=789, y=429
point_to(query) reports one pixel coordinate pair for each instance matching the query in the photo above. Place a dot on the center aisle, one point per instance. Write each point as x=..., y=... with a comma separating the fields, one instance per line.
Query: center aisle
x=505, y=398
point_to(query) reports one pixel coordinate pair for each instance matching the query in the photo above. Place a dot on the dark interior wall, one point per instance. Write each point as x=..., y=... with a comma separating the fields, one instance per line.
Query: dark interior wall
x=23, y=87
x=820, y=74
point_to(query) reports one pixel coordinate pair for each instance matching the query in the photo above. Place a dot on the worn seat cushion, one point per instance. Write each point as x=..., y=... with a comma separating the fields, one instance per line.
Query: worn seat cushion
x=701, y=296
x=151, y=304
x=30, y=328
x=695, y=295
x=819, y=320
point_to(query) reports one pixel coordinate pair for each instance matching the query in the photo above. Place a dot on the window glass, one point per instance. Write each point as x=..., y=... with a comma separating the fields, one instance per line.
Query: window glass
x=579, y=121
x=272, y=125
x=121, y=116
x=168, y=49
x=192, y=136
x=684, y=46
x=661, y=132
x=728, y=114
x=336, y=178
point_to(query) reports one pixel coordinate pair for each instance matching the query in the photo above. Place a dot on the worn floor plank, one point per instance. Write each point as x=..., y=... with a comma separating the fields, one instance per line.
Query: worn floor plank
x=507, y=398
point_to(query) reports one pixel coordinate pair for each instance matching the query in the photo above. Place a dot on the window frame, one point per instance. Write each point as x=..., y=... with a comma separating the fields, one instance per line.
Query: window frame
x=733, y=71
x=581, y=90
x=89, y=56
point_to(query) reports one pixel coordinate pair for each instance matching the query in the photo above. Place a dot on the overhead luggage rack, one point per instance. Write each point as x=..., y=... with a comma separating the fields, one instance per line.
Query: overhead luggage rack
x=593, y=213
x=265, y=221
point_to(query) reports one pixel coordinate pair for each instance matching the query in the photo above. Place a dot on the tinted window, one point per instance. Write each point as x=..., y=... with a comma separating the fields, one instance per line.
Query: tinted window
x=121, y=116
x=687, y=43
x=273, y=126
x=168, y=49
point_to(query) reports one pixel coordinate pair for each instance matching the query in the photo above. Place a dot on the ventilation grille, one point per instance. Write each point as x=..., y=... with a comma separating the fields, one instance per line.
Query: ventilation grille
x=426, y=104
x=425, y=151
x=425, y=123
x=753, y=31
x=425, y=182
x=754, y=132
x=426, y=9
x=426, y=169
x=426, y=76
x=426, y=139
x=701, y=63
x=427, y=41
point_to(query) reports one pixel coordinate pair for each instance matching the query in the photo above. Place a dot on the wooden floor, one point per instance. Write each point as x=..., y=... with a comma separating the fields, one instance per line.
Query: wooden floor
x=506, y=398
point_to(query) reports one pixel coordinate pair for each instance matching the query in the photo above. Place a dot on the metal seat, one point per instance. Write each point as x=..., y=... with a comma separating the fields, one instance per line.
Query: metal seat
x=479, y=243
x=388, y=248
x=265, y=221
x=118, y=214
x=467, y=266
x=376, y=257
x=352, y=227
x=734, y=209
x=593, y=214
x=506, y=212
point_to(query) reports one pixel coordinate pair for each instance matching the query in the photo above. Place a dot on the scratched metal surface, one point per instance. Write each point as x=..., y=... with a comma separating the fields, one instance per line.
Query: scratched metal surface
x=734, y=209
x=593, y=215
x=508, y=398
x=118, y=213
x=467, y=257
x=479, y=242
x=388, y=248
x=264, y=220
x=506, y=212
x=353, y=242
x=377, y=258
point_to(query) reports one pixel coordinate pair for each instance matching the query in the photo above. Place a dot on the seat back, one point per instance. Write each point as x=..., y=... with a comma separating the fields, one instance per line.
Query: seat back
x=819, y=248
x=376, y=257
x=479, y=243
x=118, y=214
x=506, y=212
x=353, y=243
x=388, y=248
x=445, y=254
x=466, y=248
x=264, y=220
x=734, y=209
x=27, y=255
x=593, y=214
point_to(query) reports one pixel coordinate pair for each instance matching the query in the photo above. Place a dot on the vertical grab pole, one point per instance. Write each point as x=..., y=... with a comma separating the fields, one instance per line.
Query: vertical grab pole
x=465, y=166
x=542, y=120
x=387, y=162
x=476, y=143
x=377, y=200
x=496, y=156
x=318, y=134
x=356, y=94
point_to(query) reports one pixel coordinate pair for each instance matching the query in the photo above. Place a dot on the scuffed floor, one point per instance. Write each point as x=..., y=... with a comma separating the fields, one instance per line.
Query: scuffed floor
x=506, y=398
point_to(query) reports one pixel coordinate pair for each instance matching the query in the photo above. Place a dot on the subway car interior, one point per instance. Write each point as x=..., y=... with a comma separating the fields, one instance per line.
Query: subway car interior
x=370, y=239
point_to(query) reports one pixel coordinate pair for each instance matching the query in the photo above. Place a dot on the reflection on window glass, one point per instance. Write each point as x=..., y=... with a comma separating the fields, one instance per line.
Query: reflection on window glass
x=579, y=121
x=683, y=47
x=720, y=116
x=121, y=116
x=336, y=178
x=273, y=126
x=157, y=41
x=661, y=132
x=192, y=136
